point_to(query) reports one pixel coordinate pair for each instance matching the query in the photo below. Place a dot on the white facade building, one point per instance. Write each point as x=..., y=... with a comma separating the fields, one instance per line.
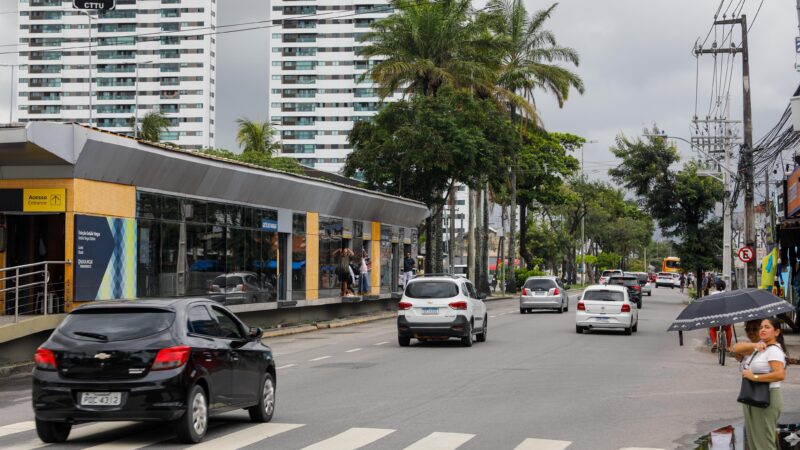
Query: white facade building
x=154, y=53
x=314, y=95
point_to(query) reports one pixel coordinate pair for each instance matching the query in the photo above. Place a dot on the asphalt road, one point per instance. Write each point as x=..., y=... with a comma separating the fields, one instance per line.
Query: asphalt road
x=534, y=385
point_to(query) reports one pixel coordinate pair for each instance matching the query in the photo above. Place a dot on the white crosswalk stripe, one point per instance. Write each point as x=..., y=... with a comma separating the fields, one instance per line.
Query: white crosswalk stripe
x=542, y=444
x=128, y=436
x=441, y=441
x=248, y=436
x=351, y=439
x=5, y=430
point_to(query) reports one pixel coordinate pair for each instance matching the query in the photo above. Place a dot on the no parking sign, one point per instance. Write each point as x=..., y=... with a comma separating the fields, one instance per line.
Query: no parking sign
x=746, y=254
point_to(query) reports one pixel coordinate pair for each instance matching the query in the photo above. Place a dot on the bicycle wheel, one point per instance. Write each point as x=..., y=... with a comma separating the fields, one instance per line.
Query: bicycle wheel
x=722, y=340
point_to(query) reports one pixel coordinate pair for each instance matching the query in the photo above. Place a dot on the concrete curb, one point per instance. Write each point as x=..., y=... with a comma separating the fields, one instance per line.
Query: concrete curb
x=14, y=369
x=338, y=323
x=289, y=331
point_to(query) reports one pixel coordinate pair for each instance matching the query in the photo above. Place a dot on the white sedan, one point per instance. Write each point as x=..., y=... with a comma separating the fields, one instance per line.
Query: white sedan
x=606, y=307
x=668, y=279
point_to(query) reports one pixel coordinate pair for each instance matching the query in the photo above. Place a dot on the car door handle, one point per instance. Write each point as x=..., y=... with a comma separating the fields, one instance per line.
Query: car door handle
x=208, y=356
x=234, y=356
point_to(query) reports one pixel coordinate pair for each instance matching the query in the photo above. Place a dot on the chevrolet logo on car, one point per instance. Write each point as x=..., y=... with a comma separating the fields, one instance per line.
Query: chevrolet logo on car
x=102, y=356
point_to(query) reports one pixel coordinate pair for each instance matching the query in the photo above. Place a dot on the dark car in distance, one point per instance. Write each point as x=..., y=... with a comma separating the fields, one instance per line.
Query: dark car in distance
x=177, y=360
x=634, y=288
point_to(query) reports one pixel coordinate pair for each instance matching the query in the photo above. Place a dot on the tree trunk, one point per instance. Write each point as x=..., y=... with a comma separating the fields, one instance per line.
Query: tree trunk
x=483, y=281
x=471, y=239
x=438, y=254
x=428, y=244
x=501, y=260
x=479, y=239
x=512, y=249
x=524, y=252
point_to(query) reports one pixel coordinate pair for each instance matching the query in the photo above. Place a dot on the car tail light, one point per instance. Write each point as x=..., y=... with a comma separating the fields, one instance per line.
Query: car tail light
x=626, y=307
x=241, y=288
x=581, y=306
x=458, y=305
x=170, y=358
x=45, y=359
x=214, y=288
x=638, y=288
x=556, y=291
x=404, y=305
x=524, y=291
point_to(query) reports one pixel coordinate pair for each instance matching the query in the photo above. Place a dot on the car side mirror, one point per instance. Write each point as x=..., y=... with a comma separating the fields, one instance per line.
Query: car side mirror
x=255, y=333
x=481, y=296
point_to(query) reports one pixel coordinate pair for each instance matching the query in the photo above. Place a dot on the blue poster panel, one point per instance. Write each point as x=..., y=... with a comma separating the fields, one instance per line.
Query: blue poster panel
x=105, y=258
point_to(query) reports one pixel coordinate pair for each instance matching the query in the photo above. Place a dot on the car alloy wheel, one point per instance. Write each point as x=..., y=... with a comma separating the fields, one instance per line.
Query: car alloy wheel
x=268, y=395
x=199, y=414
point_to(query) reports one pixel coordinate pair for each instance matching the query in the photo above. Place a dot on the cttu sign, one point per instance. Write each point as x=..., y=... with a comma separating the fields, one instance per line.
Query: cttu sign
x=102, y=5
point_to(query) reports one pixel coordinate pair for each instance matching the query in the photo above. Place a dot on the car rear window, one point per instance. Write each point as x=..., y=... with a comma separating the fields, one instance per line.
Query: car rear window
x=115, y=324
x=540, y=285
x=604, y=296
x=432, y=289
x=608, y=273
x=627, y=281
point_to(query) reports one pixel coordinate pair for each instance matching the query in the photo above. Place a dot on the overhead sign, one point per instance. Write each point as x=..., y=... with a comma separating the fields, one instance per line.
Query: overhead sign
x=103, y=5
x=44, y=200
x=746, y=254
x=792, y=196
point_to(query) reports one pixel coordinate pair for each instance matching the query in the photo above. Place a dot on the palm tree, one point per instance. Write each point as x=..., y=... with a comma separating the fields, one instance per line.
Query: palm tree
x=530, y=62
x=256, y=137
x=152, y=125
x=427, y=45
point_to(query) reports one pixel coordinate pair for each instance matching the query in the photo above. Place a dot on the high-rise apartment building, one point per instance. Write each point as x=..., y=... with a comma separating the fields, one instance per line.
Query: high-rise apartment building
x=154, y=54
x=315, y=96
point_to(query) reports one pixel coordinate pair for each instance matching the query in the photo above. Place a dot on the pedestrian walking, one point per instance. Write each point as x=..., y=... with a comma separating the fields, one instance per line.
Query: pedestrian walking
x=764, y=362
x=683, y=282
x=690, y=279
x=494, y=282
x=408, y=269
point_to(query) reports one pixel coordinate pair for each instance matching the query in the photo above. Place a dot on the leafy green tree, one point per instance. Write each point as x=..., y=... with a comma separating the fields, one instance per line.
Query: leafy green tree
x=608, y=260
x=152, y=125
x=418, y=148
x=256, y=137
x=680, y=200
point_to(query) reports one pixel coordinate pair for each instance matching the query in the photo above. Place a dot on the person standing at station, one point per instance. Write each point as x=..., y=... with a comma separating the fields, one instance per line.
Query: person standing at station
x=408, y=268
x=363, y=281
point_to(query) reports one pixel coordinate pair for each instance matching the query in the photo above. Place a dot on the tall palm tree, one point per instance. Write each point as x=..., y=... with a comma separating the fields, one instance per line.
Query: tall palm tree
x=152, y=125
x=530, y=62
x=256, y=137
x=427, y=45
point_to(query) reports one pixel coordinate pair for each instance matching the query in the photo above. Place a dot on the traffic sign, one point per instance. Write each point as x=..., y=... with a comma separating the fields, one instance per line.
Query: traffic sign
x=746, y=254
x=103, y=5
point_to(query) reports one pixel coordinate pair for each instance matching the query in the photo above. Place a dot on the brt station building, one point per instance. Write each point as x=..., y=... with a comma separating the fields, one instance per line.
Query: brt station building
x=117, y=218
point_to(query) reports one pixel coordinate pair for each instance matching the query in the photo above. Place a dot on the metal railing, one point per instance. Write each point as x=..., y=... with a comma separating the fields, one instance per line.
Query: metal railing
x=35, y=270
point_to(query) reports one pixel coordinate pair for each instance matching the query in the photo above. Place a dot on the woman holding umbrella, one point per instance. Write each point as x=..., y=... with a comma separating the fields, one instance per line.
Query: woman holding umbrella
x=765, y=362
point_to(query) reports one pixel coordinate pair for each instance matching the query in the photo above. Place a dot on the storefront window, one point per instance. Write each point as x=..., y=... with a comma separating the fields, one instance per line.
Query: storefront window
x=330, y=253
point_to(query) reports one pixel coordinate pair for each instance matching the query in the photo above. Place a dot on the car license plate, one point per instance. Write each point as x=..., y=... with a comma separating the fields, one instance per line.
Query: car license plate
x=540, y=293
x=101, y=398
x=430, y=310
x=601, y=319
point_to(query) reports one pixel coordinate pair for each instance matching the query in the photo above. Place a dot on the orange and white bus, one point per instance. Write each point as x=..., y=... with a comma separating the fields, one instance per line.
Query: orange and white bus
x=671, y=264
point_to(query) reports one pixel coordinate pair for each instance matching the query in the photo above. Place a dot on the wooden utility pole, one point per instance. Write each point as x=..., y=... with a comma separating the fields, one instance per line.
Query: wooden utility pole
x=746, y=153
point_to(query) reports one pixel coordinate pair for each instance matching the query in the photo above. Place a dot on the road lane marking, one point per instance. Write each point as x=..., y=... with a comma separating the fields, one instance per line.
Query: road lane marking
x=286, y=366
x=248, y=436
x=441, y=441
x=354, y=350
x=381, y=343
x=5, y=430
x=351, y=439
x=130, y=442
x=320, y=358
x=78, y=433
x=21, y=399
x=542, y=444
x=640, y=448
x=492, y=317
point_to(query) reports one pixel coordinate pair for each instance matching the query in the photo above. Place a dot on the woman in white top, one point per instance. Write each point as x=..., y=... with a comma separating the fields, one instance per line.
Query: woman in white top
x=765, y=363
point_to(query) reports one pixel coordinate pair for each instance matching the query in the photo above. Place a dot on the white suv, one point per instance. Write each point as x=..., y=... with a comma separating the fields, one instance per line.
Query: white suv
x=441, y=307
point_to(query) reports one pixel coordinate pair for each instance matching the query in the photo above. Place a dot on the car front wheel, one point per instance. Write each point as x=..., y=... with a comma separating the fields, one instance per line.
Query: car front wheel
x=192, y=427
x=481, y=337
x=263, y=410
x=53, y=432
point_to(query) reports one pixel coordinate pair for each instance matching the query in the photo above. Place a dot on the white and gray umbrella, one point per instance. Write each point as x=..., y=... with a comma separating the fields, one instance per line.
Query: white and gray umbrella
x=730, y=307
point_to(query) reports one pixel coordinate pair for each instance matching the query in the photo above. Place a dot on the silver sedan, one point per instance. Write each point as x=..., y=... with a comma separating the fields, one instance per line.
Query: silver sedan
x=543, y=293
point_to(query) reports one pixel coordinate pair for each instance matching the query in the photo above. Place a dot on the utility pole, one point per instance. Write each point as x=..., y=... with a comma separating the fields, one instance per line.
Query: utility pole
x=583, y=232
x=746, y=153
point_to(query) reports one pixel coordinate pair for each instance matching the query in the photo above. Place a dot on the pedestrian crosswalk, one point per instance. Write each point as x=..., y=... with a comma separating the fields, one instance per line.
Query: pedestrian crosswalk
x=129, y=436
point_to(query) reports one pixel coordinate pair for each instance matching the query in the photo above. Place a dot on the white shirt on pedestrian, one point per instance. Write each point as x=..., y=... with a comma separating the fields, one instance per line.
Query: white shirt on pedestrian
x=759, y=364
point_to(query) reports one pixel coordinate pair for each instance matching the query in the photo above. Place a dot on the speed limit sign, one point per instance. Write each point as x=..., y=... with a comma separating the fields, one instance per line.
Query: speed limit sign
x=746, y=254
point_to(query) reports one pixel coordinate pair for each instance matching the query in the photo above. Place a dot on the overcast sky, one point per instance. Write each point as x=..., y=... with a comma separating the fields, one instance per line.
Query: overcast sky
x=636, y=62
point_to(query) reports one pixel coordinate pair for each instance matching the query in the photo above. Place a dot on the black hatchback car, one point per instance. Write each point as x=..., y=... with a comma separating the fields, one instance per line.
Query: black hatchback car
x=634, y=288
x=178, y=360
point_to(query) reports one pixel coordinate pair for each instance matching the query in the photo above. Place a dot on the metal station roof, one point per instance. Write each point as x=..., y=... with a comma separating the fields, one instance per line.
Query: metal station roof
x=42, y=150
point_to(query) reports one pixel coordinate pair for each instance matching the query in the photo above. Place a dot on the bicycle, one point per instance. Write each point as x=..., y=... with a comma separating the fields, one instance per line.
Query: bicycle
x=722, y=341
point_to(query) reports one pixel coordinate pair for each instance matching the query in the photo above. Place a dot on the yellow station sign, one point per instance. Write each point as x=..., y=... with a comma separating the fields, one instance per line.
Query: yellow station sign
x=44, y=200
